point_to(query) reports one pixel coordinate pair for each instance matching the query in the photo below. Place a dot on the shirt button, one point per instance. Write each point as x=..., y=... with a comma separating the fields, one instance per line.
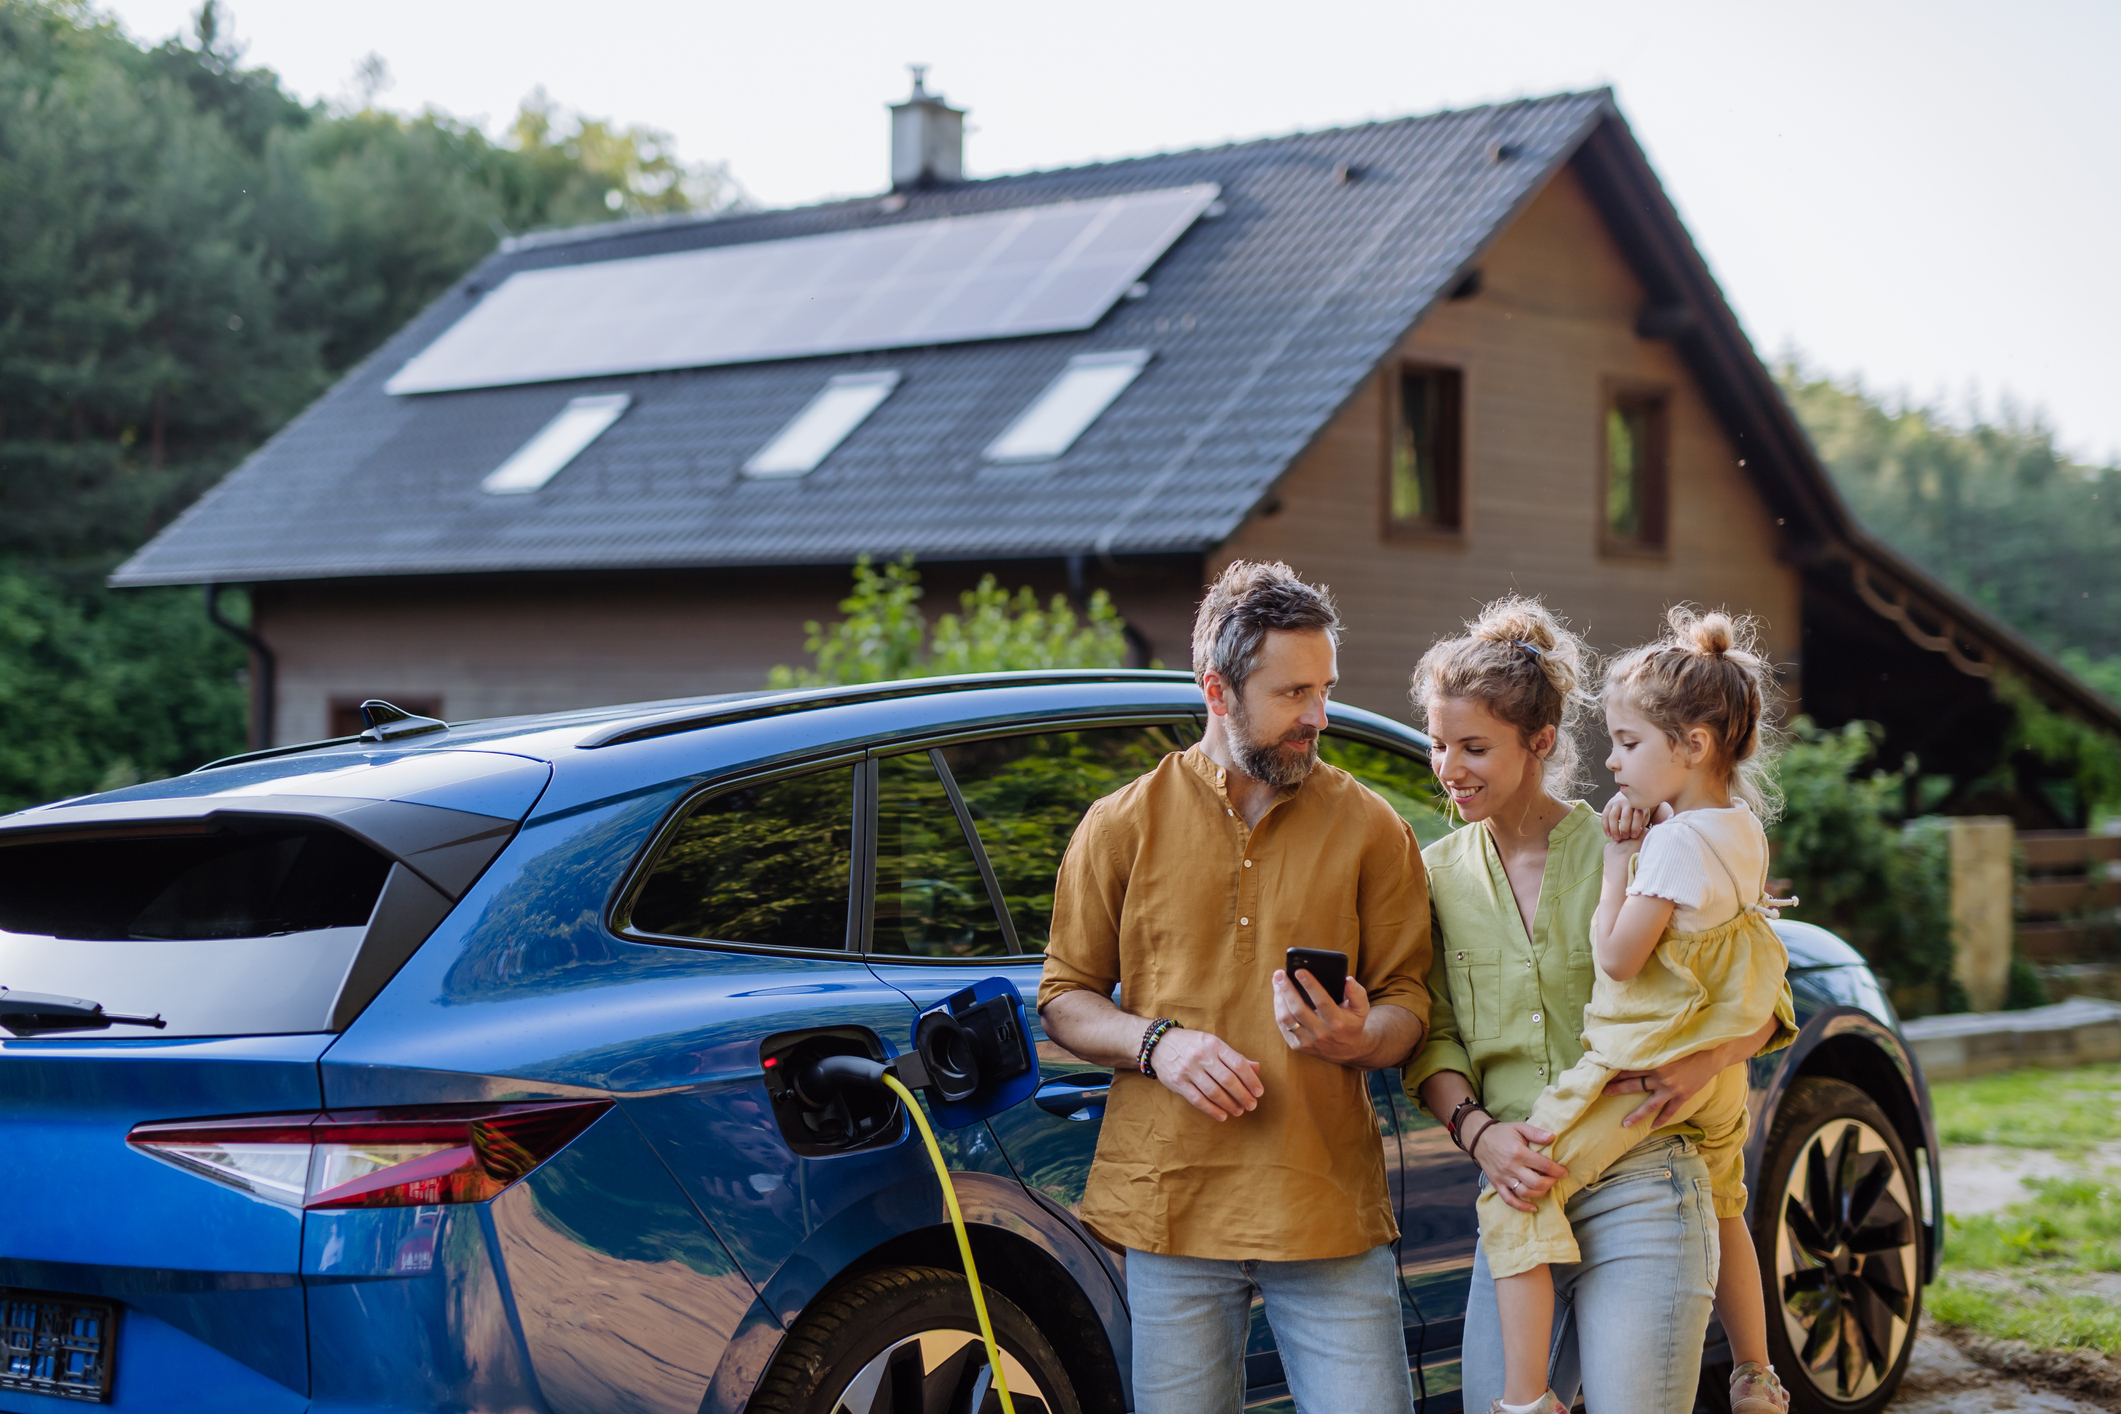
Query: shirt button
x=1229, y=812
x=1535, y=1016
x=1244, y=922
x=1248, y=864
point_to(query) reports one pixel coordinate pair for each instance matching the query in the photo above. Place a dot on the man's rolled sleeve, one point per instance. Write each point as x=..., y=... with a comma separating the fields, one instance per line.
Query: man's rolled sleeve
x=1442, y=1050
x=1393, y=909
x=1082, y=952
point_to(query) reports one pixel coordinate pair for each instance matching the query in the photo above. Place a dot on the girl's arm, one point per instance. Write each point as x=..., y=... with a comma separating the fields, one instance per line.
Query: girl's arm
x=1624, y=931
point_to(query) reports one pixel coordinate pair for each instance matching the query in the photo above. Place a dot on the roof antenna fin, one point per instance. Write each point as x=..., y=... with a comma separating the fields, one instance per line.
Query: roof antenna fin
x=388, y=723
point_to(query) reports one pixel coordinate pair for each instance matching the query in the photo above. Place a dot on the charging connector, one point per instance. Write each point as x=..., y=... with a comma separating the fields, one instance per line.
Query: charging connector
x=825, y=1080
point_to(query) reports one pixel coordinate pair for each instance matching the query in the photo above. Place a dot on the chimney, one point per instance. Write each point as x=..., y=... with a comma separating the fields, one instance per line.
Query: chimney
x=927, y=138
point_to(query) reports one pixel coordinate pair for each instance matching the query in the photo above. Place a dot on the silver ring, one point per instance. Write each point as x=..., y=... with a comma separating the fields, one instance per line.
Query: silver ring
x=1516, y=1186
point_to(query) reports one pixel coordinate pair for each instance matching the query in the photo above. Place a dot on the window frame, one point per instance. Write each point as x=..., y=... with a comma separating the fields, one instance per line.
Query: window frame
x=1452, y=434
x=933, y=743
x=860, y=856
x=861, y=893
x=1655, y=399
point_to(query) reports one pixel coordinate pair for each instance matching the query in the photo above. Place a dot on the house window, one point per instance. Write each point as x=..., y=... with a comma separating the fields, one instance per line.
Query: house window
x=1070, y=403
x=1424, y=473
x=346, y=719
x=1633, y=501
x=559, y=442
x=823, y=424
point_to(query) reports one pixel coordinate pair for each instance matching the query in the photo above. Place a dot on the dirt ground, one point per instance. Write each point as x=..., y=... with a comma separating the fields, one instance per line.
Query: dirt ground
x=1942, y=1380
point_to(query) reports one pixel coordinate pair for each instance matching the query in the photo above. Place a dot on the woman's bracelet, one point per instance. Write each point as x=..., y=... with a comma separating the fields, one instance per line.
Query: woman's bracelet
x=1473, y=1149
x=1470, y=1102
x=1155, y=1033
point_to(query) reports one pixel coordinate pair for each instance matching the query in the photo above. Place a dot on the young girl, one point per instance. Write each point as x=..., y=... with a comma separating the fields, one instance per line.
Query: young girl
x=1686, y=960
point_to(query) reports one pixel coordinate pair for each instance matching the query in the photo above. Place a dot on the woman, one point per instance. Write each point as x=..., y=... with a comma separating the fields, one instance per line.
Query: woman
x=1513, y=896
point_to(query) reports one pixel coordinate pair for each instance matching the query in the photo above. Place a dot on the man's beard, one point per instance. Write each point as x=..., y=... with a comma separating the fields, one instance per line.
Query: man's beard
x=1267, y=761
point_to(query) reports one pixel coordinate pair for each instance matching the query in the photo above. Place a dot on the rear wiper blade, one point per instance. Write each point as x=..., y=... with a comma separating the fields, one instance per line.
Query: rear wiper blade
x=43, y=1011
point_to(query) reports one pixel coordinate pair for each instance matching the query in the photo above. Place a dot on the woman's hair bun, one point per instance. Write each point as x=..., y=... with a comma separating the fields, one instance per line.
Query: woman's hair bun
x=1517, y=622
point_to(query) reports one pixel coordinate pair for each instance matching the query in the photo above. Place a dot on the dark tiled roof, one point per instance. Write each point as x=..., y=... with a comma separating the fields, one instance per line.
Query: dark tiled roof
x=1263, y=320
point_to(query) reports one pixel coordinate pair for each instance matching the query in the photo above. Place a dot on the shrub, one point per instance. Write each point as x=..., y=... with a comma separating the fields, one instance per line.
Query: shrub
x=1856, y=869
x=884, y=634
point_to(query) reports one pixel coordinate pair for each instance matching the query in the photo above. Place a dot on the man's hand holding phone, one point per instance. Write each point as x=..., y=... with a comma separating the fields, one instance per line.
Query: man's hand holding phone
x=1208, y=1073
x=1313, y=1022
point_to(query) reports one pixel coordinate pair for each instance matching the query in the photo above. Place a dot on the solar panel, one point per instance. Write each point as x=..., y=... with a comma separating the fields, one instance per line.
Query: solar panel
x=995, y=275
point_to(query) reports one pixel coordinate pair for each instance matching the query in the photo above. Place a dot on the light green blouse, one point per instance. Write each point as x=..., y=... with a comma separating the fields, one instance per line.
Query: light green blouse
x=1506, y=1010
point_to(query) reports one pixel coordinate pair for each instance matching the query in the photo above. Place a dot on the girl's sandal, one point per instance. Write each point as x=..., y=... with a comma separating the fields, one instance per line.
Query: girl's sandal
x=1755, y=1390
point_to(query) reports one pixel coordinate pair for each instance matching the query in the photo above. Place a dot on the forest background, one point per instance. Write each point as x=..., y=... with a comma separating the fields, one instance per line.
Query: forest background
x=189, y=256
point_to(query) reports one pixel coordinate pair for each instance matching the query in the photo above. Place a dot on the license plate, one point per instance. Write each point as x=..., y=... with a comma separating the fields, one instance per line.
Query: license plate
x=56, y=1345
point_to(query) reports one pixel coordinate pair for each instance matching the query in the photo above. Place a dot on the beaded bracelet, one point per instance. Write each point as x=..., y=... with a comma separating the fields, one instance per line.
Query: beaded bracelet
x=1155, y=1033
x=1470, y=1102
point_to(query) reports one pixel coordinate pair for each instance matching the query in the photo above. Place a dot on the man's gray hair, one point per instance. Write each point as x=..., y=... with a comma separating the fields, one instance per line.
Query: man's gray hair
x=1246, y=603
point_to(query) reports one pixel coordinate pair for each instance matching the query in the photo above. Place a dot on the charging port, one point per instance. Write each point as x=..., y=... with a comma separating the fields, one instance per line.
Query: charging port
x=849, y=1117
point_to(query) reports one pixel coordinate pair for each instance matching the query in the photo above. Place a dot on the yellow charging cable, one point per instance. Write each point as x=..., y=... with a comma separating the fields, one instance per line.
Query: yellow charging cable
x=964, y=1243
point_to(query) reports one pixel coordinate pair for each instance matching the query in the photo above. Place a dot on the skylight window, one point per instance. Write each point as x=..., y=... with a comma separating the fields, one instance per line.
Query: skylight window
x=845, y=402
x=559, y=442
x=1069, y=405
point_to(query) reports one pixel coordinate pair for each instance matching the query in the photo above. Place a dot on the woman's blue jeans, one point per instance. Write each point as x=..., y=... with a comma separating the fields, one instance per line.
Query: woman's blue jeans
x=1630, y=1318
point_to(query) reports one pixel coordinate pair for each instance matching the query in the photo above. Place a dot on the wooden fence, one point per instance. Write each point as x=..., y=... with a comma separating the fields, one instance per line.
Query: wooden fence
x=2069, y=903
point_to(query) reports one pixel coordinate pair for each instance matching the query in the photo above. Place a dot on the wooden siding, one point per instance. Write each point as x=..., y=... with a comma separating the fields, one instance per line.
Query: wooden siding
x=1551, y=331
x=490, y=646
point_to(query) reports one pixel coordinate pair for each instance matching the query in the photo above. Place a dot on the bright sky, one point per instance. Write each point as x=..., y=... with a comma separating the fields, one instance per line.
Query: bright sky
x=1925, y=193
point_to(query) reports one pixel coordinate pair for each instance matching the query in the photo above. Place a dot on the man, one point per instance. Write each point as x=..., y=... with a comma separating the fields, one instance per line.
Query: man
x=1239, y=1149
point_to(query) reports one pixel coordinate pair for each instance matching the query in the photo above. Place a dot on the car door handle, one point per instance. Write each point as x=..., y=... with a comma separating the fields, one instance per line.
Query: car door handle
x=1075, y=1096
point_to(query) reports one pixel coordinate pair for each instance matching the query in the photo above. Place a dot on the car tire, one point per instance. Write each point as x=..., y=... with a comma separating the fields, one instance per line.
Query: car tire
x=903, y=1340
x=1836, y=1220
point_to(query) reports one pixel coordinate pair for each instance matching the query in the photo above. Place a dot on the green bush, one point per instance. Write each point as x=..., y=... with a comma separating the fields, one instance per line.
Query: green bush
x=102, y=692
x=885, y=635
x=1856, y=869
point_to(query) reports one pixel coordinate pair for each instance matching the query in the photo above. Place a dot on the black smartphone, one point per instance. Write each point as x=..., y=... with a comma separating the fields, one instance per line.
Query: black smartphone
x=1329, y=968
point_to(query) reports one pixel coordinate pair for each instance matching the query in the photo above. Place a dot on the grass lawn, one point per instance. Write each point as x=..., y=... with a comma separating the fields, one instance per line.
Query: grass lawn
x=2046, y=1270
x=2064, y=1110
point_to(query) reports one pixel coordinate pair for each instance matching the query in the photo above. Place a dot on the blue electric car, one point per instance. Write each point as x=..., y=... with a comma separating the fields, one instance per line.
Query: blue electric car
x=460, y=1068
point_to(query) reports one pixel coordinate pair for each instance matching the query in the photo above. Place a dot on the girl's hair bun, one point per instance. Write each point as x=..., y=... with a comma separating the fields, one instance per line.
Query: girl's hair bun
x=1712, y=634
x=1708, y=671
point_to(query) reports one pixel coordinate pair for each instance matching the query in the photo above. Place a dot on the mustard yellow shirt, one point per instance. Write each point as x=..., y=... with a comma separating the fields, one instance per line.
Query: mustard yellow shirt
x=1506, y=1009
x=1166, y=893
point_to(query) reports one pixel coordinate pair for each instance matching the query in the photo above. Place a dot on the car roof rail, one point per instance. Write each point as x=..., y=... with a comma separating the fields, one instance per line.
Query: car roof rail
x=807, y=699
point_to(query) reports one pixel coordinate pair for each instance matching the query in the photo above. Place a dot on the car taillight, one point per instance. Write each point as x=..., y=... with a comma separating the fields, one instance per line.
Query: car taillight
x=372, y=1158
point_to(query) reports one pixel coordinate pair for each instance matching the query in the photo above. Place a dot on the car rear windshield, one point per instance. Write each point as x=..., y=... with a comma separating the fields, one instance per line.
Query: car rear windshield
x=249, y=881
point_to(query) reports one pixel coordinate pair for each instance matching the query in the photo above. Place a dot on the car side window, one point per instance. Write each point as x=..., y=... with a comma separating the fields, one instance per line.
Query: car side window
x=1406, y=782
x=765, y=864
x=1026, y=794
x=930, y=898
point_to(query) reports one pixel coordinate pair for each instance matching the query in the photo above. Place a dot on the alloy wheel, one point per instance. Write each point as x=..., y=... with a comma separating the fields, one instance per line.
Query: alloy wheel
x=938, y=1369
x=1846, y=1260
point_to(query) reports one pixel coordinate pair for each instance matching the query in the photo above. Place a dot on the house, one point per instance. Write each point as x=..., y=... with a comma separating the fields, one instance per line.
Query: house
x=1427, y=361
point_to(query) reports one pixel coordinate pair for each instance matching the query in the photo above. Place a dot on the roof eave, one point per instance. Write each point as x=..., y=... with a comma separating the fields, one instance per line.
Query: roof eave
x=1773, y=445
